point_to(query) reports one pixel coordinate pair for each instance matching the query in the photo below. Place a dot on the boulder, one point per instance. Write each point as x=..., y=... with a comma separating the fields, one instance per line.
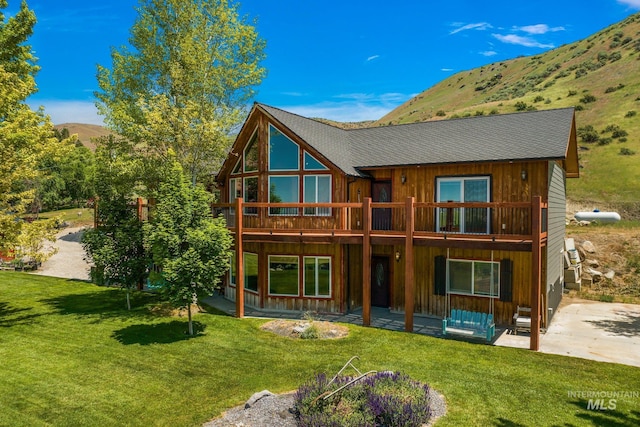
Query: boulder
x=256, y=397
x=588, y=247
x=592, y=263
x=610, y=274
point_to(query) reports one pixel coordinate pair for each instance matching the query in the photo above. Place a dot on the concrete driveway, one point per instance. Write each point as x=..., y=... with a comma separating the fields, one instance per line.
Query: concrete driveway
x=607, y=332
x=69, y=262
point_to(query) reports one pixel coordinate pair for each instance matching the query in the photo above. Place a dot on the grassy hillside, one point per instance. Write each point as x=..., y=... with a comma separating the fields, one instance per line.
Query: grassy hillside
x=85, y=132
x=600, y=76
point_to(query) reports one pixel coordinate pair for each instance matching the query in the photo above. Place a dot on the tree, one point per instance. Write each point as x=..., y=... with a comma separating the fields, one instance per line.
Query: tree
x=116, y=245
x=186, y=83
x=190, y=246
x=25, y=135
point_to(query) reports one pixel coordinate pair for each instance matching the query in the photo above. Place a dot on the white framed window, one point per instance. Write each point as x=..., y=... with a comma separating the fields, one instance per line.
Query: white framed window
x=284, y=189
x=235, y=189
x=284, y=275
x=312, y=164
x=317, y=276
x=463, y=220
x=284, y=154
x=250, y=261
x=317, y=189
x=472, y=277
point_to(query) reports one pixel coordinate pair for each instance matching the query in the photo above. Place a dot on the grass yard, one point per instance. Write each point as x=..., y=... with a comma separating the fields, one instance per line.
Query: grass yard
x=71, y=355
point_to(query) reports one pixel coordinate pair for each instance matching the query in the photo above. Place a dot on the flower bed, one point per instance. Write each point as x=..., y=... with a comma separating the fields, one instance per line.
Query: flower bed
x=381, y=399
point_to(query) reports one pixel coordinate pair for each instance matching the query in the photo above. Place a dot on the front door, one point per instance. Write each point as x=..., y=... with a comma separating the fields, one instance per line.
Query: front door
x=381, y=217
x=380, y=281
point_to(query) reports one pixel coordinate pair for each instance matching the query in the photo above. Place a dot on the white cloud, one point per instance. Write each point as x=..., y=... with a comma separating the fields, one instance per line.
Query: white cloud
x=446, y=69
x=479, y=26
x=371, y=58
x=488, y=53
x=635, y=4
x=522, y=41
x=69, y=111
x=353, y=107
x=539, y=29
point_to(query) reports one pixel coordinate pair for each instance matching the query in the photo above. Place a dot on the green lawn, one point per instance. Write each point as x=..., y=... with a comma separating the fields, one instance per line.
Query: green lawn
x=71, y=355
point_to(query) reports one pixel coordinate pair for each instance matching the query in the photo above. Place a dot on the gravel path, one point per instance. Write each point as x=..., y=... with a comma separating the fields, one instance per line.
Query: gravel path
x=69, y=262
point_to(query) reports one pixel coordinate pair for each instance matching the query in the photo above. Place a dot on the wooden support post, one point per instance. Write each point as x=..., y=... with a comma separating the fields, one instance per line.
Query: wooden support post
x=409, y=283
x=536, y=272
x=366, y=261
x=239, y=261
x=139, y=206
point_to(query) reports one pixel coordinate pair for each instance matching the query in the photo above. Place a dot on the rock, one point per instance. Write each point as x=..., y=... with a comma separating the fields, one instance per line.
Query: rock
x=584, y=223
x=610, y=274
x=256, y=397
x=592, y=263
x=588, y=247
x=299, y=329
x=593, y=272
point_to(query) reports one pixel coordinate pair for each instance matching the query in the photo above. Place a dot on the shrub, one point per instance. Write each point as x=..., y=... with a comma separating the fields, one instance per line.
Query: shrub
x=493, y=112
x=521, y=106
x=588, y=134
x=626, y=152
x=580, y=72
x=479, y=113
x=538, y=98
x=605, y=141
x=440, y=113
x=630, y=113
x=619, y=133
x=383, y=399
x=579, y=107
x=588, y=98
x=572, y=93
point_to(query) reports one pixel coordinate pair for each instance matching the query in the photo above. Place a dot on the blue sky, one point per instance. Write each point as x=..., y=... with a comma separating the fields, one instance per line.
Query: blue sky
x=347, y=60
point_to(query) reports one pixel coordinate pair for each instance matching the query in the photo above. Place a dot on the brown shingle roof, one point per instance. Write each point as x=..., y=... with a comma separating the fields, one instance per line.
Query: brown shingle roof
x=538, y=135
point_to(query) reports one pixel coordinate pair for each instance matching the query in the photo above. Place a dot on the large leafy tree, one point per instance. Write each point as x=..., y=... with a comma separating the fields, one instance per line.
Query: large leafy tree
x=185, y=83
x=116, y=245
x=26, y=136
x=190, y=246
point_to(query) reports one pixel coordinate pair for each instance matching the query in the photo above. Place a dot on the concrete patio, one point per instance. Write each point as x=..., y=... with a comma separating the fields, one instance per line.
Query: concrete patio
x=607, y=332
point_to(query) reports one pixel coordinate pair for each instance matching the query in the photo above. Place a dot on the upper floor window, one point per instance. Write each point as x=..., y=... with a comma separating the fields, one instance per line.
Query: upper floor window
x=235, y=189
x=317, y=189
x=311, y=164
x=251, y=154
x=284, y=154
x=284, y=189
x=463, y=220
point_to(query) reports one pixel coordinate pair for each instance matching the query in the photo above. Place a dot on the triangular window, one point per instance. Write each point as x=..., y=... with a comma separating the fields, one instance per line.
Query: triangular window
x=311, y=164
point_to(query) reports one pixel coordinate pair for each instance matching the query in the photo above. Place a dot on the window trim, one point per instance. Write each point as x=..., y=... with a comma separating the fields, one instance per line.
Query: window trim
x=233, y=274
x=297, y=257
x=269, y=169
x=461, y=180
x=304, y=194
x=252, y=139
x=304, y=276
x=297, y=213
x=496, y=270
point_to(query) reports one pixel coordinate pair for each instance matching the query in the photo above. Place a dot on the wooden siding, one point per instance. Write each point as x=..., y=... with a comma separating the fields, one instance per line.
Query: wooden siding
x=263, y=300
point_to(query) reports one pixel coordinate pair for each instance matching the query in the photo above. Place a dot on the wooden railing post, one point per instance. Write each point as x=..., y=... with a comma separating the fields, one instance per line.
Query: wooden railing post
x=239, y=261
x=536, y=271
x=366, y=261
x=409, y=285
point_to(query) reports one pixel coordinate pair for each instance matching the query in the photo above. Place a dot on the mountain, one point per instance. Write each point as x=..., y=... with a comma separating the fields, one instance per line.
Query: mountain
x=599, y=75
x=85, y=132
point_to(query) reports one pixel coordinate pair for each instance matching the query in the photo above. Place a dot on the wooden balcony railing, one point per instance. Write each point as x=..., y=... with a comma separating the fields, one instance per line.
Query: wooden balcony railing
x=474, y=221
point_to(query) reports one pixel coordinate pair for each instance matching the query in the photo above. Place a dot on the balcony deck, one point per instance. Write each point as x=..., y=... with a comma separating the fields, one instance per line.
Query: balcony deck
x=343, y=223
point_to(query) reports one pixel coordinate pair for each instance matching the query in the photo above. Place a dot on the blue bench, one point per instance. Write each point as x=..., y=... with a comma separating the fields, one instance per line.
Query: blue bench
x=469, y=323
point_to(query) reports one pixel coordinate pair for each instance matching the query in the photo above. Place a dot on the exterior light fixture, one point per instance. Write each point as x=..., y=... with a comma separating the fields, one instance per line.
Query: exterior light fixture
x=403, y=178
x=523, y=174
x=397, y=256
